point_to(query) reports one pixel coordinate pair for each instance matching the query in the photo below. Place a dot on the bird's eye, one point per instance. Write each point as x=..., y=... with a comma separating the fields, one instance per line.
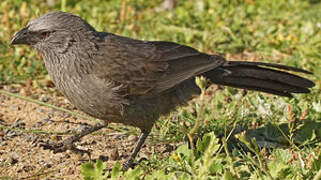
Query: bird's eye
x=45, y=35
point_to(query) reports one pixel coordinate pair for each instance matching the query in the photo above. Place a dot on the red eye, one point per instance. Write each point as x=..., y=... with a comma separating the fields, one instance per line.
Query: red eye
x=44, y=35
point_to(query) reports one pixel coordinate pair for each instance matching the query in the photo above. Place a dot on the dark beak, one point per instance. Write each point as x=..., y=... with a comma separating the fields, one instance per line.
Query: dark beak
x=20, y=37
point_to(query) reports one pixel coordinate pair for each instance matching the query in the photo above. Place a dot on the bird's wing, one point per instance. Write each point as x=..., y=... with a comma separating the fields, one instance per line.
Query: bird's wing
x=144, y=68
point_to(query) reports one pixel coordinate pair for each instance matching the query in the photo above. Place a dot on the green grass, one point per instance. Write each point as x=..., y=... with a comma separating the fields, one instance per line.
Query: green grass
x=287, y=32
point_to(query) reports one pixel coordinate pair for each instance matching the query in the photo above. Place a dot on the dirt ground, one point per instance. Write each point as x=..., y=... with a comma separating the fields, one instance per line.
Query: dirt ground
x=23, y=123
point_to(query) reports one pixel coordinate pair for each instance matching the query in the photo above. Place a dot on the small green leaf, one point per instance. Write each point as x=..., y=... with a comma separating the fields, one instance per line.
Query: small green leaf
x=116, y=172
x=228, y=176
x=90, y=172
x=183, y=149
x=133, y=174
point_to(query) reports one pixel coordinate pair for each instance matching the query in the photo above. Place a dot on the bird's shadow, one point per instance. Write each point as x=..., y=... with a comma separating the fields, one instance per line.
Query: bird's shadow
x=273, y=135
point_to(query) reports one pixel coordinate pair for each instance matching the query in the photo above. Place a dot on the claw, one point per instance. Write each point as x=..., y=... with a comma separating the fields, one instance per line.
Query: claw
x=69, y=142
x=58, y=147
x=81, y=151
x=128, y=164
x=55, y=147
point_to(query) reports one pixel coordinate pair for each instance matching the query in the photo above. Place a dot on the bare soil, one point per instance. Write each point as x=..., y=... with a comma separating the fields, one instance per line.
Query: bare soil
x=25, y=125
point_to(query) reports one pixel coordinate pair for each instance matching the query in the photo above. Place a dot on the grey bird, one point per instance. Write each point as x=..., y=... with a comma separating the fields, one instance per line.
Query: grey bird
x=123, y=80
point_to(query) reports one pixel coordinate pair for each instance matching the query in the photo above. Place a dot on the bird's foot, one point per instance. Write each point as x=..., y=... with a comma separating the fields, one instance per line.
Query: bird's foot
x=67, y=144
x=128, y=164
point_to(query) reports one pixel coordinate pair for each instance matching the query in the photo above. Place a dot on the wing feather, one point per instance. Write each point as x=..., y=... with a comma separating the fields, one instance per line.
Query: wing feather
x=149, y=67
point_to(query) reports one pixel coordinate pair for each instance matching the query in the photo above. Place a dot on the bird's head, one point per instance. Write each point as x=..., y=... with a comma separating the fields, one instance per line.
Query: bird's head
x=51, y=30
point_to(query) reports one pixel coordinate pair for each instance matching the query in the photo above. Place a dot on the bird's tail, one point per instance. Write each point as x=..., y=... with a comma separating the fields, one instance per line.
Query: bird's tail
x=264, y=77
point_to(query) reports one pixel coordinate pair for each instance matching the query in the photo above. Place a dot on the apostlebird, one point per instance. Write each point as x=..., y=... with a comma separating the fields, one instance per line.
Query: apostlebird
x=133, y=82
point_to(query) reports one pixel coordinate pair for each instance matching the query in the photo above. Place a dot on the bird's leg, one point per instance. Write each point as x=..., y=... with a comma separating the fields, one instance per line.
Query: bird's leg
x=68, y=143
x=130, y=162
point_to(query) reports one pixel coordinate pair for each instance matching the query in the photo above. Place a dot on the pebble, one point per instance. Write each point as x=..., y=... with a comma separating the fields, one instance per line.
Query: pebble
x=28, y=168
x=44, y=98
x=88, y=142
x=66, y=101
x=187, y=124
x=81, y=128
x=44, y=164
x=132, y=138
x=54, y=113
x=15, y=108
x=12, y=160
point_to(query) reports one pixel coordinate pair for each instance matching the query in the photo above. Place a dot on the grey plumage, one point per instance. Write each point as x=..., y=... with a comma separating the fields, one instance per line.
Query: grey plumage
x=122, y=80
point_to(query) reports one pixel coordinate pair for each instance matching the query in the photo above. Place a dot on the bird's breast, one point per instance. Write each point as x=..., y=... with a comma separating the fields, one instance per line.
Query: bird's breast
x=84, y=90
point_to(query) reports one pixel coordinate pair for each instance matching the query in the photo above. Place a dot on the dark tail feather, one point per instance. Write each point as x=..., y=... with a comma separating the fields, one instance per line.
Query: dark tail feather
x=256, y=76
x=278, y=66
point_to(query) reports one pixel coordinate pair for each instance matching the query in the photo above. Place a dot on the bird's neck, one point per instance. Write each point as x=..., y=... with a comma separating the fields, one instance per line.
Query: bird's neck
x=69, y=65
